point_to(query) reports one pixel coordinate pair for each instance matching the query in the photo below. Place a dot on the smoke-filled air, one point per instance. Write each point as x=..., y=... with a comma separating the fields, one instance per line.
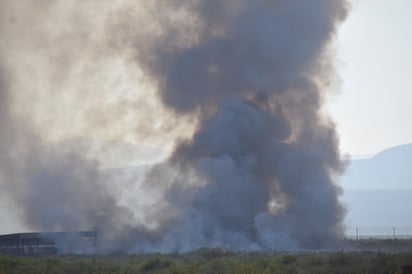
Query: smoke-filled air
x=227, y=94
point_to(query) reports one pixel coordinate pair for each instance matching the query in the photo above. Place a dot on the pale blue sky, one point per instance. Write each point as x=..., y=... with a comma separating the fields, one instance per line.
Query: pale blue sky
x=374, y=108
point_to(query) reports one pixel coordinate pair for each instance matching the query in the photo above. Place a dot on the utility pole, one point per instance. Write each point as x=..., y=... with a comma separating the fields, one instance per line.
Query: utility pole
x=96, y=235
x=357, y=235
x=394, y=232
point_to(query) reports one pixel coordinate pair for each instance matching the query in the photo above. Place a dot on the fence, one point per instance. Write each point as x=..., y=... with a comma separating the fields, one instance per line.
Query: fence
x=380, y=232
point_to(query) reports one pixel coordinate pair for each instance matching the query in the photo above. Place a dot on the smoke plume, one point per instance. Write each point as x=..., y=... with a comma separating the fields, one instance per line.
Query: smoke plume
x=234, y=89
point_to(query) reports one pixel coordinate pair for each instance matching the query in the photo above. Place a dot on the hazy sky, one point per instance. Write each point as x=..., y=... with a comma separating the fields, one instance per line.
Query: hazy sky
x=374, y=109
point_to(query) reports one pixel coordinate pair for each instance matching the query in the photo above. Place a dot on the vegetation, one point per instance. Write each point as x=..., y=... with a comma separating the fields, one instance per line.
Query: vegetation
x=213, y=261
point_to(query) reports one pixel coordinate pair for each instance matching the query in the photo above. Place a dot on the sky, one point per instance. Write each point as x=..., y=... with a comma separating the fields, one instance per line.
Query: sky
x=373, y=110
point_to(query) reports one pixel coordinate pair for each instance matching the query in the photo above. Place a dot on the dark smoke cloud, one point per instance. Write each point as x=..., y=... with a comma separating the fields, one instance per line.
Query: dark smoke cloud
x=241, y=85
x=255, y=73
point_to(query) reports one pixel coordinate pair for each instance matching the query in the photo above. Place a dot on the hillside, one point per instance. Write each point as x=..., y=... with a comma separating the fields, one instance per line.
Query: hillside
x=389, y=169
x=378, y=192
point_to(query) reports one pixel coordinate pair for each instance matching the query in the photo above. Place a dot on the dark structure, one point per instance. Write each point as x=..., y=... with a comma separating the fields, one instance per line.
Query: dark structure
x=45, y=243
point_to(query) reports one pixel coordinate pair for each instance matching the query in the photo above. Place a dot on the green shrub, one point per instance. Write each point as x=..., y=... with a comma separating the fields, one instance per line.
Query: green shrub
x=212, y=261
x=156, y=263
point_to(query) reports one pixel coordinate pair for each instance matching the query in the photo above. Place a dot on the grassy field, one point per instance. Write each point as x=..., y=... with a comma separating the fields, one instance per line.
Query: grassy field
x=214, y=261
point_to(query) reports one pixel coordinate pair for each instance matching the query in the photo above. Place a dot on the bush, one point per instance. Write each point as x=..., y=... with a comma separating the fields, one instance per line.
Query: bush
x=155, y=263
x=212, y=261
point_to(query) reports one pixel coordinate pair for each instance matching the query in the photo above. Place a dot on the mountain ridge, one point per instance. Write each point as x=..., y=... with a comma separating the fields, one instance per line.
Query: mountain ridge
x=388, y=169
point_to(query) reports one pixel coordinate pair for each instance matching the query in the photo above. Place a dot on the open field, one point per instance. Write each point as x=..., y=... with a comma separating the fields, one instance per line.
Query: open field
x=221, y=261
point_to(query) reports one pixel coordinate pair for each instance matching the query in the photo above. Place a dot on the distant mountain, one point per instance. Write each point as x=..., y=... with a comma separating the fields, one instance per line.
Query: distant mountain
x=378, y=193
x=389, y=169
x=379, y=208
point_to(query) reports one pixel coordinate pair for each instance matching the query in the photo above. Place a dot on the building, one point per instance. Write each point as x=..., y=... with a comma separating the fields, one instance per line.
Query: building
x=47, y=243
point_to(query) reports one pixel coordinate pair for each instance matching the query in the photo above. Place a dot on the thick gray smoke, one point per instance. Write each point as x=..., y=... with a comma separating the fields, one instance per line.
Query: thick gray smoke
x=254, y=72
x=52, y=186
x=241, y=85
